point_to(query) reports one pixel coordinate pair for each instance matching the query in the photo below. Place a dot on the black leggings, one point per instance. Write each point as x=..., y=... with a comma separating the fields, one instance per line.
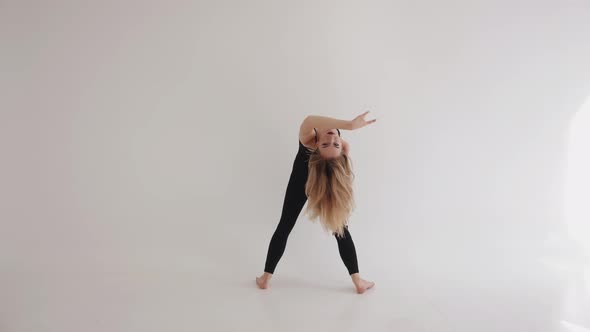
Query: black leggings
x=295, y=198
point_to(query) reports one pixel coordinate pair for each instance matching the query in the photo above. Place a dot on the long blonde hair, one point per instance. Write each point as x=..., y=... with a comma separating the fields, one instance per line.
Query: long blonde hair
x=329, y=191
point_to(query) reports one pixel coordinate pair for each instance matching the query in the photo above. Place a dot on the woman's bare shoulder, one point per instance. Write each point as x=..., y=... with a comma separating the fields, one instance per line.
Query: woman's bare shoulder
x=307, y=136
x=308, y=141
x=310, y=144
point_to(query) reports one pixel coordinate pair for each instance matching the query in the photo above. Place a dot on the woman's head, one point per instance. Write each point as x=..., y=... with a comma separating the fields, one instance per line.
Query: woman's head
x=329, y=186
x=329, y=144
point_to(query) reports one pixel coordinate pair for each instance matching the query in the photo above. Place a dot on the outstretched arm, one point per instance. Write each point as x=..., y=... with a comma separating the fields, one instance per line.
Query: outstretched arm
x=324, y=122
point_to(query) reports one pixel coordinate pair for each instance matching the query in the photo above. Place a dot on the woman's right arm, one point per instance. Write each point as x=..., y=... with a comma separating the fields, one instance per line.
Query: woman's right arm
x=306, y=132
x=324, y=122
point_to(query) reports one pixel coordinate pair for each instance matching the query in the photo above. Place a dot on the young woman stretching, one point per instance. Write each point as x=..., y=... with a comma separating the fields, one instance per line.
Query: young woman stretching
x=321, y=175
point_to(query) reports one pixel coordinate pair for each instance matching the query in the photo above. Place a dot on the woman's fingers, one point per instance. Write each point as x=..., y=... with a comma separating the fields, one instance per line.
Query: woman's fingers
x=362, y=116
x=360, y=121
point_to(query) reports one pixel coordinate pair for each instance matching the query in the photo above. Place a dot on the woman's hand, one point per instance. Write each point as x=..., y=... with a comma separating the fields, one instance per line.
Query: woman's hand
x=360, y=121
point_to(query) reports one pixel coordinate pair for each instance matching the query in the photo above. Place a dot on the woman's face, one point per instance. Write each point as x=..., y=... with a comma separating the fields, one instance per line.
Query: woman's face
x=329, y=143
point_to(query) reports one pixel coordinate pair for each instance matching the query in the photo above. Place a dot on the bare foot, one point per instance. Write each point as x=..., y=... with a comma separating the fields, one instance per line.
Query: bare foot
x=360, y=284
x=263, y=280
x=363, y=285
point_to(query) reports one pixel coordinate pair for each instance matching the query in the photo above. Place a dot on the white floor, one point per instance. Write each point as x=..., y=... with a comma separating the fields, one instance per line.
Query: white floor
x=504, y=294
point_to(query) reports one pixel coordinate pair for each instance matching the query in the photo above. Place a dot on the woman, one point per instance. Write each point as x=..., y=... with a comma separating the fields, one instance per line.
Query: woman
x=322, y=176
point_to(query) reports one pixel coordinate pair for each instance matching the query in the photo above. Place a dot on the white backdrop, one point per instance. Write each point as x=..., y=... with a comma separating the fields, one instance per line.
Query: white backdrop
x=161, y=134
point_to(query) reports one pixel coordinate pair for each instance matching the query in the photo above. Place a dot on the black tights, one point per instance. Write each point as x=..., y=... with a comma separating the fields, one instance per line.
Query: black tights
x=295, y=198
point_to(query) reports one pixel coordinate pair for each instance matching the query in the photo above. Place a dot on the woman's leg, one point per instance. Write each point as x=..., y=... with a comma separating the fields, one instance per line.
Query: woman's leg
x=347, y=251
x=294, y=201
x=348, y=255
